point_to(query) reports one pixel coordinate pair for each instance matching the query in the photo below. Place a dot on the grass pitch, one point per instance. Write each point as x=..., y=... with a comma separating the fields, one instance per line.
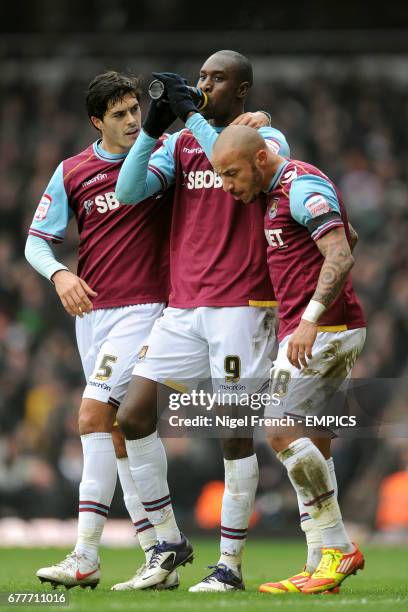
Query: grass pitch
x=383, y=584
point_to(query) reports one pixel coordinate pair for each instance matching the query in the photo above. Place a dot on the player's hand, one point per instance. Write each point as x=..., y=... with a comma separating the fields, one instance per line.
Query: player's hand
x=159, y=117
x=73, y=293
x=301, y=343
x=179, y=97
x=253, y=120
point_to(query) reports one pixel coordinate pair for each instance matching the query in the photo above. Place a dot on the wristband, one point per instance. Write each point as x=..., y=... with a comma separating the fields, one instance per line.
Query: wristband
x=314, y=311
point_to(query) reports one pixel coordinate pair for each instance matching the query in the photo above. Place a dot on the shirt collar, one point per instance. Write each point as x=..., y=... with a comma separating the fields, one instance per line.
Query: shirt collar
x=105, y=155
x=276, y=176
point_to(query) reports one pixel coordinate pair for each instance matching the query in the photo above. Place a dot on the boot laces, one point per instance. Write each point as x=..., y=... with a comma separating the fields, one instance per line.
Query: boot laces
x=329, y=557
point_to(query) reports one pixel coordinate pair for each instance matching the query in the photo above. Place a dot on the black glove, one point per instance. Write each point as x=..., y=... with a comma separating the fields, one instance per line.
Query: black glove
x=179, y=96
x=159, y=117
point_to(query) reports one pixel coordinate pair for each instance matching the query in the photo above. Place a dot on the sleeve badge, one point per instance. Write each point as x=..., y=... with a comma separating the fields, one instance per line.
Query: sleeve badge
x=42, y=208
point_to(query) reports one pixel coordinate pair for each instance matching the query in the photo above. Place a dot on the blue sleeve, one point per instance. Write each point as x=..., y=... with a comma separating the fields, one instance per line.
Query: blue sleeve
x=203, y=132
x=206, y=136
x=53, y=212
x=314, y=204
x=275, y=140
x=40, y=256
x=143, y=173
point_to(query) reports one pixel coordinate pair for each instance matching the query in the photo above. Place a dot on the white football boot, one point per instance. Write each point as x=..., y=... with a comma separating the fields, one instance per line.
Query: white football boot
x=136, y=582
x=165, y=558
x=221, y=580
x=74, y=570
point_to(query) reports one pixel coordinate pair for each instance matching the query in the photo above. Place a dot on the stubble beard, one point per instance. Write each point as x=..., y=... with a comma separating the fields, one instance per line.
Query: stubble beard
x=256, y=182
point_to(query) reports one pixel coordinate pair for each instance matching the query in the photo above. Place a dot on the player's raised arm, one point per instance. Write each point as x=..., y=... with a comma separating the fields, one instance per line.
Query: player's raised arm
x=207, y=135
x=184, y=107
x=254, y=120
x=144, y=173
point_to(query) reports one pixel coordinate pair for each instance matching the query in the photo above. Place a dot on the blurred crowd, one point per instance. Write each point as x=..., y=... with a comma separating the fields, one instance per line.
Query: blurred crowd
x=355, y=130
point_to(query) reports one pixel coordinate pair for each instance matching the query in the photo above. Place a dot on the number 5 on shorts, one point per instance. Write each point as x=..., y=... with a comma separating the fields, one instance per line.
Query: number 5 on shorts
x=104, y=370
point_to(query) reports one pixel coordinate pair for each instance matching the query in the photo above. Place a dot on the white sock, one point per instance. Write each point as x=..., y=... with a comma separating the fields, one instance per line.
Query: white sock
x=144, y=529
x=309, y=474
x=148, y=466
x=241, y=481
x=337, y=535
x=310, y=528
x=332, y=470
x=95, y=491
x=313, y=540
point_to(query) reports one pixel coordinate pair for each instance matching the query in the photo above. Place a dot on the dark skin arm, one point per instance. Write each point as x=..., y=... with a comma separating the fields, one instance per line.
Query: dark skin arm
x=337, y=263
x=254, y=120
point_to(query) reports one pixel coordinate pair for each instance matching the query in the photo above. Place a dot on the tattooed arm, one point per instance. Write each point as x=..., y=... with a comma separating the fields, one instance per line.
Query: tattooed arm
x=337, y=263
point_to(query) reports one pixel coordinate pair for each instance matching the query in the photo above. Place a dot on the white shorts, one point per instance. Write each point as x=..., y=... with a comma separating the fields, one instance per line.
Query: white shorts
x=231, y=345
x=306, y=392
x=109, y=341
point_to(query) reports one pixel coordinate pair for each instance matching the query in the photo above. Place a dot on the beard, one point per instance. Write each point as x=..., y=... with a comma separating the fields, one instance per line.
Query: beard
x=256, y=182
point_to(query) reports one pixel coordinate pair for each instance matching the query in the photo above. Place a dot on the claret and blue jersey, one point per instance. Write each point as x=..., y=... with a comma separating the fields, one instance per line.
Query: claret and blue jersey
x=302, y=206
x=123, y=250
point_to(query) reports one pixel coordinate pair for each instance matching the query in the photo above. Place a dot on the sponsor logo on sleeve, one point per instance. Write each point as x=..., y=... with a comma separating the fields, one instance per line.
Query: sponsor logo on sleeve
x=273, y=145
x=317, y=205
x=42, y=208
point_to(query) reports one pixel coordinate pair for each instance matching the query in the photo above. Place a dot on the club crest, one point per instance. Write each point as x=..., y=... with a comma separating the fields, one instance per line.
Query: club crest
x=273, y=209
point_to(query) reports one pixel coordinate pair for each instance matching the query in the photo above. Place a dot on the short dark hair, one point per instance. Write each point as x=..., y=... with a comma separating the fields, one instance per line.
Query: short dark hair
x=108, y=88
x=244, y=67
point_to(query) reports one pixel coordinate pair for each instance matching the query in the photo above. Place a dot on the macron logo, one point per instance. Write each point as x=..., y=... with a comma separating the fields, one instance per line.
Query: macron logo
x=99, y=177
x=195, y=150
